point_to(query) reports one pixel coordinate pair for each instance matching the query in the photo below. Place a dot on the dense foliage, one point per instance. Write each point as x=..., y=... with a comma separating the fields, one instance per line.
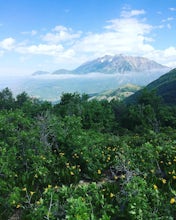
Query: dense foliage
x=84, y=160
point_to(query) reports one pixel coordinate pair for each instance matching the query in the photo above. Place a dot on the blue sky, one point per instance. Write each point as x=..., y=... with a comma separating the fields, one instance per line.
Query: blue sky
x=53, y=34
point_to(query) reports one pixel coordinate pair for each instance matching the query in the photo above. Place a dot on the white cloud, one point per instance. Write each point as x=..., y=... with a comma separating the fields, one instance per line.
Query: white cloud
x=165, y=57
x=60, y=28
x=168, y=19
x=131, y=13
x=7, y=44
x=129, y=25
x=172, y=9
x=61, y=34
x=42, y=49
x=32, y=33
x=124, y=35
x=170, y=52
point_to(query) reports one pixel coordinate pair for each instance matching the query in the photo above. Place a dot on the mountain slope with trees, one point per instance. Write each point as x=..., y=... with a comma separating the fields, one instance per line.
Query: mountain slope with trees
x=165, y=87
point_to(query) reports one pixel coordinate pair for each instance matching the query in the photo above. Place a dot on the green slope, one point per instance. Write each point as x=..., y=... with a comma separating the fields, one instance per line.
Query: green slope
x=165, y=86
x=117, y=94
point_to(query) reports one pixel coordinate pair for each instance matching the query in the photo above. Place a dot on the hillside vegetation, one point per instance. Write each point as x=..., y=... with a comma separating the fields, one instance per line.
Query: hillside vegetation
x=118, y=94
x=82, y=160
x=165, y=86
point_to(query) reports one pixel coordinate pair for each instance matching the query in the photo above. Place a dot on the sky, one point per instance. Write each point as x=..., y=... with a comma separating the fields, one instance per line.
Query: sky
x=52, y=34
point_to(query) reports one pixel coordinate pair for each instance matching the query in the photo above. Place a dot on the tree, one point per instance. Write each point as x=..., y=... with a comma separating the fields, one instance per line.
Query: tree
x=6, y=99
x=21, y=99
x=71, y=104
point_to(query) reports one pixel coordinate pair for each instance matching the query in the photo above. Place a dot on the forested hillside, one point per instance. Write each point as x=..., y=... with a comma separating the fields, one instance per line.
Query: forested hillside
x=82, y=160
x=165, y=86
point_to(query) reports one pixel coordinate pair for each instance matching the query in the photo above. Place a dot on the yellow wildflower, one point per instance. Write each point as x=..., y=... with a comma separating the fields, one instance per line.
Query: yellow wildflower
x=32, y=193
x=155, y=187
x=174, y=177
x=42, y=157
x=115, y=177
x=24, y=189
x=49, y=186
x=18, y=206
x=164, y=181
x=67, y=164
x=172, y=200
x=111, y=195
x=38, y=202
x=108, y=159
x=99, y=171
x=72, y=173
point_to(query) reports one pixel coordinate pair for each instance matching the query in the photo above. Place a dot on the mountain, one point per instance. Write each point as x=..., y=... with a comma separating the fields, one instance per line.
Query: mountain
x=119, y=64
x=62, y=71
x=165, y=86
x=117, y=94
x=40, y=73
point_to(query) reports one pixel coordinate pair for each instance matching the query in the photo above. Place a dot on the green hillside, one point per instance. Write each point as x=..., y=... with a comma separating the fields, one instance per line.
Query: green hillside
x=117, y=94
x=165, y=87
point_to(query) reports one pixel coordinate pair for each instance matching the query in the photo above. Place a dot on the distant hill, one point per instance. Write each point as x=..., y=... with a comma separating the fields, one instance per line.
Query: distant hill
x=62, y=71
x=40, y=73
x=165, y=86
x=117, y=94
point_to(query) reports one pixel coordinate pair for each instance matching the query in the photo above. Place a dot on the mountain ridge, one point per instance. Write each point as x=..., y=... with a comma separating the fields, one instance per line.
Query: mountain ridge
x=118, y=64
